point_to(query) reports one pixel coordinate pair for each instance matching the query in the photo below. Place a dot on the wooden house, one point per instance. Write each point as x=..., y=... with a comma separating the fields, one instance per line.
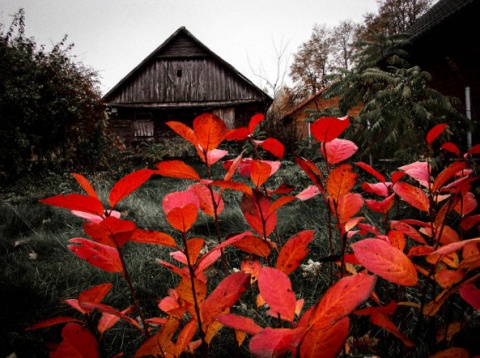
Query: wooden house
x=300, y=115
x=445, y=44
x=178, y=81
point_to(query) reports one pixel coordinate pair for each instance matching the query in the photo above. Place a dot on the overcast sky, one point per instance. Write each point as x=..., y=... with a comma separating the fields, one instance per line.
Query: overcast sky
x=113, y=36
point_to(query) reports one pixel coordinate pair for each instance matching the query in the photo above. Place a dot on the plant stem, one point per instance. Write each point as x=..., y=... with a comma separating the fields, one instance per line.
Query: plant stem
x=194, y=292
x=133, y=293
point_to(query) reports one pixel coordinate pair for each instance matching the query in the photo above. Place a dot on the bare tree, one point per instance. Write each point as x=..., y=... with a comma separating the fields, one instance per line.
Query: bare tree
x=276, y=82
x=344, y=37
x=311, y=63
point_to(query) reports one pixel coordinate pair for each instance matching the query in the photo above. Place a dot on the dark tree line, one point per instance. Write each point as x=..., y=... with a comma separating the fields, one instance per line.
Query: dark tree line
x=50, y=105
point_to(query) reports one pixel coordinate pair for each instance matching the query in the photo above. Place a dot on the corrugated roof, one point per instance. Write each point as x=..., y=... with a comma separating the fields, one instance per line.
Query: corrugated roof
x=440, y=13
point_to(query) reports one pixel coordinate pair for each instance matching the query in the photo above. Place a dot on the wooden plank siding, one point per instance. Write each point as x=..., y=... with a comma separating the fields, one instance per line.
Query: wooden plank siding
x=299, y=116
x=201, y=80
x=181, y=79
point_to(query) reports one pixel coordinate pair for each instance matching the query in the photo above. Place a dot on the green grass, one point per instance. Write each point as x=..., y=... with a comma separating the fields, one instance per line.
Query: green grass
x=38, y=271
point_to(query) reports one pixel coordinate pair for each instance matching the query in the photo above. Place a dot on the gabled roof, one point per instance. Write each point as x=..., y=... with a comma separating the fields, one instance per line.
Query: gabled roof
x=440, y=14
x=307, y=101
x=165, y=51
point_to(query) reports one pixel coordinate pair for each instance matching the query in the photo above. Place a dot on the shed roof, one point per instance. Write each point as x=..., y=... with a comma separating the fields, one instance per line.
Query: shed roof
x=167, y=50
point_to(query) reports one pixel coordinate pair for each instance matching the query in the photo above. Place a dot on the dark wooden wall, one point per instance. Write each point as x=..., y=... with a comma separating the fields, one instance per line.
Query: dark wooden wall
x=184, y=80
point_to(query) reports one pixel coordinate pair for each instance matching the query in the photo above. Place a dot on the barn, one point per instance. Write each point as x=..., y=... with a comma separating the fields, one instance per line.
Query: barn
x=180, y=80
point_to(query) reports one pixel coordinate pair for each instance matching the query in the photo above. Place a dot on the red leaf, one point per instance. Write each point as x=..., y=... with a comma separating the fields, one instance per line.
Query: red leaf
x=53, y=321
x=470, y=294
x=273, y=146
x=152, y=237
x=412, y=195
x=112, y=311
x=237, y=134
x=254, y=121
x=180, y=199
x=77, y=342
x=338, y=150
x=182, y=218
x=275, y=342
x=340, y=181
x=205, y=194
x=341, y=299
x=94, y=294
x=474, y=150
x=128, y=184
x=397, y=239
x=160, y=344
x=380, y=189
x=251, y=267
x=108, y=320
x=466, y=205
x=308, y=193
x=447, y=174
x=454, y=352
x=451, y=147
x=312, y=171
x=233, y=185
x=371, y=171
x=239, y=323
x=381, y=319
x=260, y=172
x=183, y=130
x=447, y=278
x=209, y=130
x=253, y=245
x=214, y=156
x=326, y=342
x=231, y=167
x=255, y=210
x=224, y=296
x=276, y=289
x=185, y=336
x=277, y=204
x=177, y=169
x=435, y=132
x=347, y=206
x=282, y=189
x=381, y=206
x=294, y=251
x=110, y=231
x=102, y=256
x=85, y=184
x=386, y=261
x=194, y=246
x=328, y=128
x=83, y=203
x=418, y=171
x=450, y=248
x=408, y=230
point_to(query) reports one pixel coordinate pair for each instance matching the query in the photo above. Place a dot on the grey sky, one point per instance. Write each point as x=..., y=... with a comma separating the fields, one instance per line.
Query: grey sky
x=113, y=36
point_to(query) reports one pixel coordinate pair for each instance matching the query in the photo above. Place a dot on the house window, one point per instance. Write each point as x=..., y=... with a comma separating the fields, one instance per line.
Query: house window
x=143, y=130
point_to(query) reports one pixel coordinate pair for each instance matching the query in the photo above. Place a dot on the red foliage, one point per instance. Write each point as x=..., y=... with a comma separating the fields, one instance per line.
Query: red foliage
x=440, y=243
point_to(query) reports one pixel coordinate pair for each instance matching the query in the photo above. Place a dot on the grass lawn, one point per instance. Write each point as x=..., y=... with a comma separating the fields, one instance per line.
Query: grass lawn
x=39, y=271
